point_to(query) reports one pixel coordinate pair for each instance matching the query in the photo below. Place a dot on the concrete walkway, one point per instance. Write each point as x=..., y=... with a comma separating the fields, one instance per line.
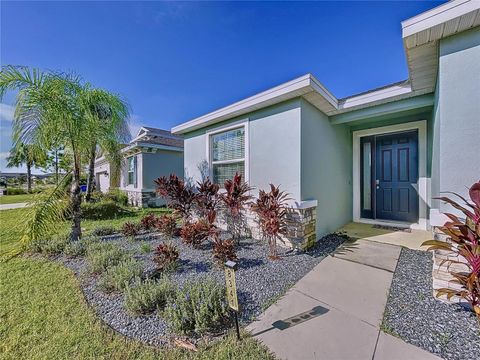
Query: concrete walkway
x=335, y=311
x=12, y=206
x=410, y=238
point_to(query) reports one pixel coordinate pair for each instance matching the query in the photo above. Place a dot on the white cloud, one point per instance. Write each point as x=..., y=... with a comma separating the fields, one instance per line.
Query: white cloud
x=6, y=112
x=134, y=124
x=4, y=155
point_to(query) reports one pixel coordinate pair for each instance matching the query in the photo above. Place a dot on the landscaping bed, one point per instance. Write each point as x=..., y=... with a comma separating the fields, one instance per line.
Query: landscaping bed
x=260, y=281
x=413, y=314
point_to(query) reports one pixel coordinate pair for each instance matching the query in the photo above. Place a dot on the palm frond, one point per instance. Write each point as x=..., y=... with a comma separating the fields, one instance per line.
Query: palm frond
x=45, y=212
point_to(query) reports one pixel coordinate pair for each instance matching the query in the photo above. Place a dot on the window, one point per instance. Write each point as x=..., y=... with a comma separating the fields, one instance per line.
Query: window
x=132, y=171
x=228, y=154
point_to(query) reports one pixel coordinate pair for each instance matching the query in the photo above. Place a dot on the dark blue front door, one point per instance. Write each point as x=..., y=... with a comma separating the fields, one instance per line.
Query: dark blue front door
x=396, y=177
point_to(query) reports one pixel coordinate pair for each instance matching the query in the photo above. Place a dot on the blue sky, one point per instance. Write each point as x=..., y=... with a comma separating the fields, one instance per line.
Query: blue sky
x=174, y=61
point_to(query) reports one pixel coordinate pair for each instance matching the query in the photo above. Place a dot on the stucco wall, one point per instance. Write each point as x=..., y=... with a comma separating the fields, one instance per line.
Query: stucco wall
x=160, y=164
x=326, y=169
x=102, y=177
x=274, y=148
x=456, y=162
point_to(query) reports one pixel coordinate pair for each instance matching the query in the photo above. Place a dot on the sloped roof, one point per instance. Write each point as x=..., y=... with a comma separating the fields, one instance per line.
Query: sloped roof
x=150, y=135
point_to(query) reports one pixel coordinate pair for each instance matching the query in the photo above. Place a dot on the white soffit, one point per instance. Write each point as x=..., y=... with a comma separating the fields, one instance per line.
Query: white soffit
x=421, y=34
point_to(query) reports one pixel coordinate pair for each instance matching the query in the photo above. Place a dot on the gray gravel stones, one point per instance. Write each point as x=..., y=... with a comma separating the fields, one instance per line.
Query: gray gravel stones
x=413, y=314
x=260, y=281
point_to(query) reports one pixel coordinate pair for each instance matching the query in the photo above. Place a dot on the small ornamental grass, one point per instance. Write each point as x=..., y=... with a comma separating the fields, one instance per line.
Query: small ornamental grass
x=79, y=248
x=50, y=246
x=145, y=248
x=104, y=231
x=118, y=277
x=197, y=308
x=148, y=296
x=101, y=256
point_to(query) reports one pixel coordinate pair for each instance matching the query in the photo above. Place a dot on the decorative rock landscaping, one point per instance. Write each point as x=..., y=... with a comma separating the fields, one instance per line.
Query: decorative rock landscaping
x=414, y=315
x=260, y=281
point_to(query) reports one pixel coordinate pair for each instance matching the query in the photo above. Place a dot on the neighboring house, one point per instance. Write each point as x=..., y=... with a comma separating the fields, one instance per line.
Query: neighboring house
x=151, y=154
x=375, y=157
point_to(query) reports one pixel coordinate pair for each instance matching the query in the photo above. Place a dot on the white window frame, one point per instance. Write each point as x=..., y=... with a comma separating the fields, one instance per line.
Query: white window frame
x=135, y=170
x=246, y=157
x=423, y=185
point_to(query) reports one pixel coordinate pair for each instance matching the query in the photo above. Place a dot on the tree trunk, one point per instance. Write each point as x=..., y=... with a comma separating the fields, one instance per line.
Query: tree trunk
x=29, y=177
x=91, y=174
x=75, y=201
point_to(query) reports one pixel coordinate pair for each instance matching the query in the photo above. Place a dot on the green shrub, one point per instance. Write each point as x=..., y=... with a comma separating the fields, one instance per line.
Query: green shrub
x=148, y=296
x=52, y=246
x=198, y=307
x=78, y=248
x=145, y=248
x=118, y=277
x=104, y=231
x=15, y=191
x=102, y=210
x=102, y=255
x=117, y=196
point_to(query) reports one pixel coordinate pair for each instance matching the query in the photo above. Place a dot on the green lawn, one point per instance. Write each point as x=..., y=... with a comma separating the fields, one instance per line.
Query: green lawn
x=13, y=199
x=43, y=314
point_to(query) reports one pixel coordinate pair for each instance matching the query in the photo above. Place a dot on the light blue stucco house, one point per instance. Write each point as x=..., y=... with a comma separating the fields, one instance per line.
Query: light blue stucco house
x=151, y=154
x=376, y=157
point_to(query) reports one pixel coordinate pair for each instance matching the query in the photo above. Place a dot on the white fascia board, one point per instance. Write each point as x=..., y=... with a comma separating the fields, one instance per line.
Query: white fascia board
x=438, y=15
x=149, y=145
x=374, y=96
x=286, y=91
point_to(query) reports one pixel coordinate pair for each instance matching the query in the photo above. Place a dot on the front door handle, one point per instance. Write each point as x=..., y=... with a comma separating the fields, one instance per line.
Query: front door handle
x=377, y=183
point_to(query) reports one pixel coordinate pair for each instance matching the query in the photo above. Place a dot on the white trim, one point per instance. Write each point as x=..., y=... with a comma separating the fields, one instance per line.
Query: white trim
x=140, y=145
x=438, y=16
x=381, y=94
x=305, y=85
x=245, y=123
x=423, y=191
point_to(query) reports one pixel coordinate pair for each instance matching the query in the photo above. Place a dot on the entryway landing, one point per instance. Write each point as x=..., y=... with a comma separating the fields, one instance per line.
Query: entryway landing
x=409, y=238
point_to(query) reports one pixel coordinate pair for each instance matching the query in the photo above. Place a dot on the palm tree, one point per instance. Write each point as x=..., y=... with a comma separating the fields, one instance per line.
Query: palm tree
x=56, y=107
x=104, y=112
x=28, y=154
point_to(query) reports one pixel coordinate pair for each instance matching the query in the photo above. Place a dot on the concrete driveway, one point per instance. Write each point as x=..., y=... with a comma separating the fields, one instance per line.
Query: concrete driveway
x=335, y=311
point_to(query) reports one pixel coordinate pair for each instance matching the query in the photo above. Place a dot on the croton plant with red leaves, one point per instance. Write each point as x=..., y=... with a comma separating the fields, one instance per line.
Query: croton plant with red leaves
x=464, y=241
x=271, y=209
x=235, y=199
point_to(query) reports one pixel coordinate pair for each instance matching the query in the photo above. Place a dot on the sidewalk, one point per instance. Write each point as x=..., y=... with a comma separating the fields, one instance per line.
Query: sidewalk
x=12, y=206
x=335, y=311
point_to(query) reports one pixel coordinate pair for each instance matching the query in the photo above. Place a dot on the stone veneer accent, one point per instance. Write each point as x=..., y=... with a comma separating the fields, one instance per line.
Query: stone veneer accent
x=143, y=199
x=301, y=228
x=441, y=269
